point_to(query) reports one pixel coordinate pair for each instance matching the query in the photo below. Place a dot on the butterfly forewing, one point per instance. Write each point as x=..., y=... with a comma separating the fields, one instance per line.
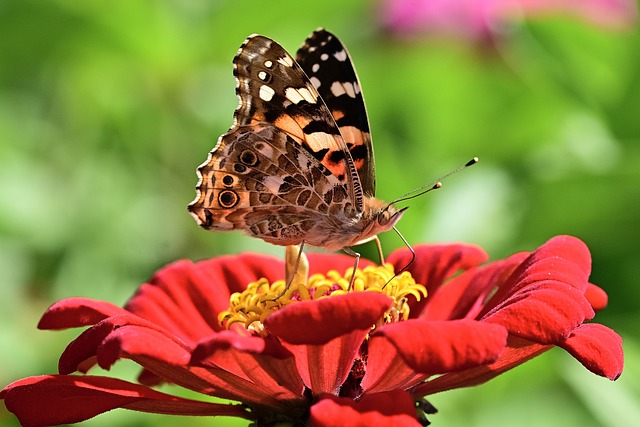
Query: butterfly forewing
x=273, y=88
x=328, y=65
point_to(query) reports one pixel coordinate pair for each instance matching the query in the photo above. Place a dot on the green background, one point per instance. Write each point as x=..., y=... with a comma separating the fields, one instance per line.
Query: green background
x=106, y=109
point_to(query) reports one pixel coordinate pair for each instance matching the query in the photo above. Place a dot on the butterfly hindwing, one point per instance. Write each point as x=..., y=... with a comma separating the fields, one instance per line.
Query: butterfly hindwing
x=273, y=88
x=260, y=180
x=328, y=65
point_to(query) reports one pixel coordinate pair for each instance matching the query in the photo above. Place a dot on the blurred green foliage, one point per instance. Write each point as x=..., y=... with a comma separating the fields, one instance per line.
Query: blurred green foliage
x=106, y=109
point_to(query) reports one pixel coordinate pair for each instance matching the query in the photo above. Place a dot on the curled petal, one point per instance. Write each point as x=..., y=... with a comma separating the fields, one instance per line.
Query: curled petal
x=597, y=297
x=562, y=259
x=393, y=408
x=598, y=348
x=77, y=312
x=60, y=399
x=85, y=348
x=545, y=313
x=142, y=343
x=428, y=348
x=543, y=300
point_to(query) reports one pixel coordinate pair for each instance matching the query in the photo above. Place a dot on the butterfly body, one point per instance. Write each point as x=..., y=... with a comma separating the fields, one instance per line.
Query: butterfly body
x=297, y=164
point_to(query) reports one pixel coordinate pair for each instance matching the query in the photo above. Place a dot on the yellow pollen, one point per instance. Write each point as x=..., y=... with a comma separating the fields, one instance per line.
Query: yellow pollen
x=249, y=308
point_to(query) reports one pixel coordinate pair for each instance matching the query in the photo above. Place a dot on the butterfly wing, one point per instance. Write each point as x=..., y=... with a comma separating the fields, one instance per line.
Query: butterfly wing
x=328, y=65
x=260, y=180
x=283, y=172
x=272, y=88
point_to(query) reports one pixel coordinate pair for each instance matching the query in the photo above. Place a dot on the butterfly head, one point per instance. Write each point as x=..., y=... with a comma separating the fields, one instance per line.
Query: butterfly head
x=387, y=217
x=379, y=217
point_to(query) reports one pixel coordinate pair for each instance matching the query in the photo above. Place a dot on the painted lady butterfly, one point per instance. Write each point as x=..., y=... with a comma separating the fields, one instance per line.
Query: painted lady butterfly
x=297, y=165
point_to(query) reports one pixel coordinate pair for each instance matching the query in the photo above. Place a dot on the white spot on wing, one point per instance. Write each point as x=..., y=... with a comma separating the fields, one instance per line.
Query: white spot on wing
x=266, y=93
x=324, y=56
x=315, y=68
x=286, y=60
x=262, y=75
x=296, y=95
x=339, y=88
x=341, y=56
x=315, y=81
x=350, y=90
x=268, y=63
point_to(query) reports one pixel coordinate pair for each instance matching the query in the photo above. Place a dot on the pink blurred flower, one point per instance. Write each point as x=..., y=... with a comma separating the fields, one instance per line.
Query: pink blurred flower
x=481, y=20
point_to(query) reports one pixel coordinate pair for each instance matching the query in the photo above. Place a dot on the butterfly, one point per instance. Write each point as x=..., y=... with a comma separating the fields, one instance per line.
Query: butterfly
x=297, y=166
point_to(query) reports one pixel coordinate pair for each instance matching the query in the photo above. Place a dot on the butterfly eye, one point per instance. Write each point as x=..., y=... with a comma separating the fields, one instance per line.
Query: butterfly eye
x=383, y=217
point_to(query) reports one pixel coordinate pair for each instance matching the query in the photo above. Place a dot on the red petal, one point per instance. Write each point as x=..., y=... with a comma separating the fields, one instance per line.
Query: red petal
x=53, y=400
x=466, y=295
x=598, y=348
x=160, y=353
x=199, y=291
x=394, y=408
x=85, y=347
x=544, y=313
x=543, y=300
x=317, y=322
x=325, y=335
x=517, y=351
x=263, y=362
x=562, y=259
x=434, y=264
x=148, y=346
x=597, y=297
x=169, y=360
x=427, y=348
x=76, y=312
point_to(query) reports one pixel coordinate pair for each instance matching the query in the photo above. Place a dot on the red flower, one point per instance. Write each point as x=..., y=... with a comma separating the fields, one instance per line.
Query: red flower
x=319, y=359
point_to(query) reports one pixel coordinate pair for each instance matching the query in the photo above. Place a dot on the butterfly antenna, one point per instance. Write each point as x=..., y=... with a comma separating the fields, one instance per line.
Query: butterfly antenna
x=433, y=185
x=413, y=257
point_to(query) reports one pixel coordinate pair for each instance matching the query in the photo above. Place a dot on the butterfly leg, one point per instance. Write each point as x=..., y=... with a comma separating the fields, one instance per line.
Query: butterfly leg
x=413, y=257
x=379, y=246
x=293, y=267
x=356, y=255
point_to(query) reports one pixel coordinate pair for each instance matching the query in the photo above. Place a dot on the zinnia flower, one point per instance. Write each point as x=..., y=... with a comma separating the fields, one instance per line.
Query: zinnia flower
x=483, y=20
x=321, y=353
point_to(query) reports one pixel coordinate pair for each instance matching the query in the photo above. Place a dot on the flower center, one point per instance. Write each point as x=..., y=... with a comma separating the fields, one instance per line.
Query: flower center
x=248, y=309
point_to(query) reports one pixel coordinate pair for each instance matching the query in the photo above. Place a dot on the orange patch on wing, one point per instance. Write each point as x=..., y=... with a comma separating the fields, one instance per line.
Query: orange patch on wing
x=337, y=114
x=354, y=137
x=290, y=126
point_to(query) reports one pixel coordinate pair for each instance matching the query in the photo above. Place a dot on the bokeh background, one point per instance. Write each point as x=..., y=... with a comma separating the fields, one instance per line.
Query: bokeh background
x=106, y=109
